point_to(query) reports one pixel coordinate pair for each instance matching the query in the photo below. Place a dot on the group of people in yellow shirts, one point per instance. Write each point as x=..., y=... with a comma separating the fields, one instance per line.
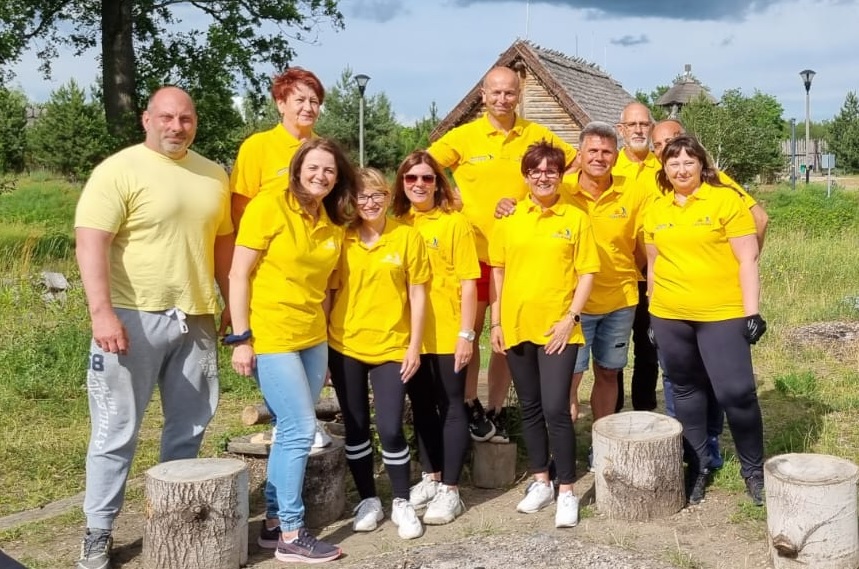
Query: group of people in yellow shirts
x=386, y=285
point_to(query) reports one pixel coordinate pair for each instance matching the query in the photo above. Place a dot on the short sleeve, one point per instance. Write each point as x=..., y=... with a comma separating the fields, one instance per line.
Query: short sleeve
x=417, y=262
x=586, y=258
x=497, y=245
x=246, y=177
x=261, y=221
x=748, y=200
x=103, y=203
x=444, y=150
x=225, y=227
x=737, y=219
x=465, y=262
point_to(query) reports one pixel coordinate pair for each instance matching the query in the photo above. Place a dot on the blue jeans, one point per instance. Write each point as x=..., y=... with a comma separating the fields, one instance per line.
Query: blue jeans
x=607, y=336
x=291, y=383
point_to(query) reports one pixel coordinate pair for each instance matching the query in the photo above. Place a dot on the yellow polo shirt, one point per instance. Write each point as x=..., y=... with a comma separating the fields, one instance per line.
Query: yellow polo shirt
x=449, y=241
x=696, y=276
x=290, y=280
x=486, y=165
x=728, y=181
x=542, y=253
x=262, y=164
x=370, y=317
x=616, y=218
x=638, y=173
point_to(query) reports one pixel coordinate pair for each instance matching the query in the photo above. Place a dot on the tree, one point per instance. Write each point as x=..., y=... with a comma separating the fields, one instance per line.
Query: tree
x=844, y=134
x=13, y=124
x=339, y=120
x=417, y=137
x=741, y=133
x=649, y=99
x=70, y=137
x=140, y=38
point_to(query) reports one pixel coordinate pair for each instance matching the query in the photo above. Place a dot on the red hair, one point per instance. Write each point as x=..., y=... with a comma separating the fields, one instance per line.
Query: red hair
x=283, y=85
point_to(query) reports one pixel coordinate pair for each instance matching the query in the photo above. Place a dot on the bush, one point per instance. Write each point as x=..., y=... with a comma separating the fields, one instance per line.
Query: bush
x=70, y=137
x=810, y=211
x=13, y=124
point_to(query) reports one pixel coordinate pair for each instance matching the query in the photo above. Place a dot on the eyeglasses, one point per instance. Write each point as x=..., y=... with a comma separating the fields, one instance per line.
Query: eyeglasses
x=535, y=174
x=377, y=197
x=413, y=178
x=642, y=125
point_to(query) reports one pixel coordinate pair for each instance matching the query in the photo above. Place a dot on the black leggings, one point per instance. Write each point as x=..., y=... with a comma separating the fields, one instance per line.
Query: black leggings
x=437, y=394
x=542, y=385
x=699, y=356
x=645, y=367
x=349, y=377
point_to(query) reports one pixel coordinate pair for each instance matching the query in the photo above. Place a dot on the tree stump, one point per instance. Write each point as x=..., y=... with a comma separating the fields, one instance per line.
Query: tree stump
x=196, y=514
x=811, y=511
x=638, y=459
x=324, y=491
x=493, y=465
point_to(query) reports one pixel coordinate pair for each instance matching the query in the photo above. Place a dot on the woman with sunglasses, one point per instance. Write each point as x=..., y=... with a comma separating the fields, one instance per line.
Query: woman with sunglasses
x=424, y=199
x=543, y=259
x=374, y=333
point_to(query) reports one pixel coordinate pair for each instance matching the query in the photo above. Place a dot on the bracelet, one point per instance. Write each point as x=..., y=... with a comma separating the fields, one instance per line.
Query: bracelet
x=232, y=339
x=494, y=325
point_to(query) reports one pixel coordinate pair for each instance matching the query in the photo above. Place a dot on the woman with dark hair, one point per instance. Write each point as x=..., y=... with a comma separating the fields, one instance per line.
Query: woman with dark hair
x=376, y=325
x=424, y=199
x=543, y=259
x=286, y=250
x=704, y=289
x=263, y=161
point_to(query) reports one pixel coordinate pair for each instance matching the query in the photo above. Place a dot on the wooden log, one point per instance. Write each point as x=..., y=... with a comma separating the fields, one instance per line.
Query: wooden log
x=324, y=491
x=811, y=511
x=327, y=409
x=638, y=460
x=196, y=514
x=493, y=465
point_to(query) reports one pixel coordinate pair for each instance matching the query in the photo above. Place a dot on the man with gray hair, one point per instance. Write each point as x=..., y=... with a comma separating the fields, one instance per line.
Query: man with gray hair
x=615, y=207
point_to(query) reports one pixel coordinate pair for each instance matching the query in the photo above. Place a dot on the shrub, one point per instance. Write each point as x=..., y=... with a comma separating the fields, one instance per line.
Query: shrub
x=810, y=211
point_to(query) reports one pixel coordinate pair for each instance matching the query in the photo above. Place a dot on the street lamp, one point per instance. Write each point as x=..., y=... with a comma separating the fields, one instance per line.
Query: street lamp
x=361, y=80
x=807, y=75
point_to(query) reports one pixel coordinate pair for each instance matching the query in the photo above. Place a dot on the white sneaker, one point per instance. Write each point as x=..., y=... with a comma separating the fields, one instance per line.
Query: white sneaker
x=445, y=507
x=404, y=517
x=368, y=514
x=424, y=491
x=567, y=510
x=321, y=439
x=538, y=496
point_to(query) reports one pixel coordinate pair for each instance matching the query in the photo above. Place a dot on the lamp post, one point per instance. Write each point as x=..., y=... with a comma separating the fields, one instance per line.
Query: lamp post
x=361, y=80
x=792, y=154
x=807, y=75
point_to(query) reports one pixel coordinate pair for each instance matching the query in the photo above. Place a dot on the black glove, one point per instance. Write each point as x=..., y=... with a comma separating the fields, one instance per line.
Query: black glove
x=755, y=328
x=651, y=336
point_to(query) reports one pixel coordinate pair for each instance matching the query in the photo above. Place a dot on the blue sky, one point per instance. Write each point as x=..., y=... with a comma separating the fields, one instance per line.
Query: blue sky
x=420, y=51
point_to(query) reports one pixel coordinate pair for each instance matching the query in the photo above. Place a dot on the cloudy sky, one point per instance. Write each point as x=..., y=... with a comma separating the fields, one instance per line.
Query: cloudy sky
x=419, y=51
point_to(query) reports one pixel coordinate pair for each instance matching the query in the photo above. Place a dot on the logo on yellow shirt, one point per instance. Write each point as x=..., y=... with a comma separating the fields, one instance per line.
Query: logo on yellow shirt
x=619, y=213
x=703, y=221
x=563, y=234
x=663, y=226
x=432, y=243
x=478, y=159
x=282, y=172
x=393, y=259
x=329, y=244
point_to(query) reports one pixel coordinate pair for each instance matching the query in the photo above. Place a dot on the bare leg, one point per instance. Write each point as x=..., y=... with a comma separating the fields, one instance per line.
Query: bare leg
x=499, y=381
x=604, y=394
x=574, y=395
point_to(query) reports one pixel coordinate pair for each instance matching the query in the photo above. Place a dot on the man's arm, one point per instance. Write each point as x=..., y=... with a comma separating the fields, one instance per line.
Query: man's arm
x=224, y=245
x=761, y=221
x=91, y=251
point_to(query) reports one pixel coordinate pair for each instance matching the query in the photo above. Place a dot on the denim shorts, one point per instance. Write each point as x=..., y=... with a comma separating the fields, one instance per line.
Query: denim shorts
x=607, y=336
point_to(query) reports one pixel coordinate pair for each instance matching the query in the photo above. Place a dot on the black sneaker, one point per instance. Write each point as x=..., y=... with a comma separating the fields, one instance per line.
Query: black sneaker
x=500, y=421
x=696, y=486
x=755, y=488
x=268, y=538
x=95, y=549
x=479, y=426
x=305, y=548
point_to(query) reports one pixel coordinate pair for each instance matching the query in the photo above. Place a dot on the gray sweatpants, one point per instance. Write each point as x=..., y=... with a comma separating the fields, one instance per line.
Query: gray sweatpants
x=169, y=349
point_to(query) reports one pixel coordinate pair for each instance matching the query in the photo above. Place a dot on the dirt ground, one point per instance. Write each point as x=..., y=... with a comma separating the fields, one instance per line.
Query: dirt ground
x=490, y=533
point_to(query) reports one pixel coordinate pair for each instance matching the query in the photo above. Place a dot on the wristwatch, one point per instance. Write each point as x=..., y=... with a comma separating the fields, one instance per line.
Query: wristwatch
x=467, y=335
x=576, y=317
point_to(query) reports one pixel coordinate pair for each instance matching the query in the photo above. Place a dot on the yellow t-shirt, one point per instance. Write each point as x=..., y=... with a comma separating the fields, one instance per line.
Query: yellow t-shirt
x=696, y=275
x=486, y=165
x=262, y=164
x=290, y=280
x=370, y=316
x=165, y=215
x=638, y=173
x=449, y=241
x=543, y=253
x=616, y=219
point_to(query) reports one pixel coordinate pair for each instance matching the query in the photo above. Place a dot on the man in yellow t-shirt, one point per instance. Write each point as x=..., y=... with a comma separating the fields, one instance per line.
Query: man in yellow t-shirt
x=153, y=235
x=485, y=157
x=615, y=206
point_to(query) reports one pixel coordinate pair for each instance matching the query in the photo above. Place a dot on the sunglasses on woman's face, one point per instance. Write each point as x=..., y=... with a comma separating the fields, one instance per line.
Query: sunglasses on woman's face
x=413, y=178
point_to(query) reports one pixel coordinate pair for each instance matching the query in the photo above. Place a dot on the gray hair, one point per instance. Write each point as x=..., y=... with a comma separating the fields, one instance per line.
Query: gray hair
x=600, y=129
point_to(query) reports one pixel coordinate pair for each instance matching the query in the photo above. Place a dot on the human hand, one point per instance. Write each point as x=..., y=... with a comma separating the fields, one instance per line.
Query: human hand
x=462, y=354
x=496, y=338
x=411, y=363
x=755, y=328
x=505, y=207
x=560, y=333
x=244, y=359
x=109, y=333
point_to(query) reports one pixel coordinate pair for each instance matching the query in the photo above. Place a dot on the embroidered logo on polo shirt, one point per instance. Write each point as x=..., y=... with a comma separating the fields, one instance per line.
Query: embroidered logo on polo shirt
x=703, y=221
x=282, y=172
x=663, y=226
x=478, y=159
x=393, y=259
x=432, y=243
x=619, y=213
x=563, y=234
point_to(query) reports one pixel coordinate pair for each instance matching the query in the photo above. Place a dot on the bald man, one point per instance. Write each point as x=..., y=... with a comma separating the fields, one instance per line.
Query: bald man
x=484, y=157
x=153, y=235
